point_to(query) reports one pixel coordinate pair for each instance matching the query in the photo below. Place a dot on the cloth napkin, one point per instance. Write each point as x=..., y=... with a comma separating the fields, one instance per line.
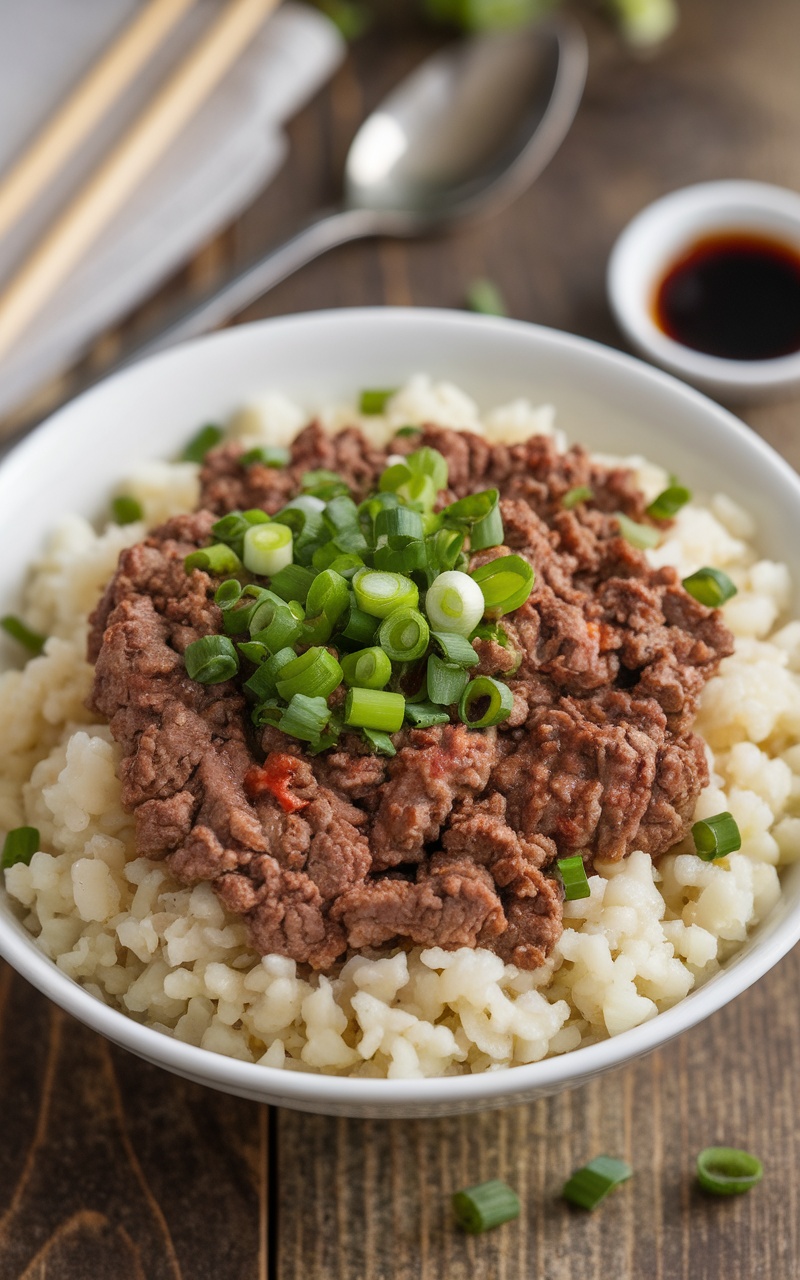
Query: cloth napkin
x=228, y=152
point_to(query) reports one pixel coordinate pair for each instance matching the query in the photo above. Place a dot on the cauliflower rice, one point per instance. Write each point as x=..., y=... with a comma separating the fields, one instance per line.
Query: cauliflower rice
x=174, y=958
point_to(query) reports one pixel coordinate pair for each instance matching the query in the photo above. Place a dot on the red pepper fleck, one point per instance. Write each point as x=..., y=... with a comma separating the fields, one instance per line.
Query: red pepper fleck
x=275, y=775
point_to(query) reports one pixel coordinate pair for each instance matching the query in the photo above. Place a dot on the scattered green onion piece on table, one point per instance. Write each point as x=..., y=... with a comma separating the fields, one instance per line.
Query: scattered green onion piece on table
x=485, y=298
x=728, y=1171
x=29, y=639
x=446, y=682
x=267, y=549
x=492, y=699
x=421, y=715
x=404, y=635
x=505, y=584
x=716, y=837
x=367, y=669
x=487, y=1205
x=380, y=742
x=360, y=627
x=455, y=648
x=263, y=683
x=374, y=401
x=228, y=593
x=19, y=846
x=266, y=456
x=581, y=493
x=217, y=559
x=211, y=660
x=589, y=1185
x=710, y=587
x=669, y=503
x=455, y=602
x=126, y=510
x=380, y=593
x=643, y=536
x=573, y=873
x=316, y=673
x=374, y=709
x=207, y=438
x=305, y=717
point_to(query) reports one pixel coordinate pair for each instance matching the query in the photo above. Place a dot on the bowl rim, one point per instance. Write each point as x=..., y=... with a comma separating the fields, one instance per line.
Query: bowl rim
x=638, y=254
x=316, y=1090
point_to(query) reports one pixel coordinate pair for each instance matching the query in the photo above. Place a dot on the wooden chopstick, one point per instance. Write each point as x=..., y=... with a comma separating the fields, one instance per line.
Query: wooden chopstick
x=85, y=106
x=145, y=142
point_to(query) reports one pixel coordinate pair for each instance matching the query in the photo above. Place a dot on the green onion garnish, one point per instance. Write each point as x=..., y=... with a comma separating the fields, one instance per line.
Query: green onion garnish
x=217, y=559
x=454, y=602
x=126, y=510
x=573, y=873
x=16, y=628
x=455, y=648
x=207, y=438
x=228, y=593
x=405, y=432
x=643, y=536
x=431, y=463
x=316, y=673
x=505, y=584
x=267, y=549
x=589, y=1185
x=374, y=401
x=424, y=714
x=445, y=681
x=374, y=709
x=361, y=627
x=211, y=660
x=398, y=525
x=282, y=629
x=485, y=298
x=341, y=518
x=404, y=635
x=327, y=599
x=669, y=503
x=488, y=1205
x=380, y=742
x=727, y=1171
x=263, y=683
x=305, y=718
x=380, y=593
x=367, y=669
x=266, y=456
x=581, y=493
x=709, y=586
x=485, y=702
x=19, y=846
x=715, y=837
x=292, y=582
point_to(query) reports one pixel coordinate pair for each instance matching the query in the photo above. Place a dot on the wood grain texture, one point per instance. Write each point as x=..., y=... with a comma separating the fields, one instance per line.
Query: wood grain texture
x=111, y=1169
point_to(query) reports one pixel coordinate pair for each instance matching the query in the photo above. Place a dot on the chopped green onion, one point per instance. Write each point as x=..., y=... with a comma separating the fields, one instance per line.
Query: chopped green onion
x=16, y=628
x=589, y=1185
x=392, y=478
x=372, y=402
x=380, y=593
x=716, y=837
x=419, y=492
x=424, y=714
x=581, y=493
x=256, y=651
x=341, y=517
x=217, y=559
x=305, y=718
x=443, y=551
x=728, y=1171
x=643, y=536
x=231, y=529
x=126, y=510
x=488, y=532
x=228, y=593
x=485, y=298
x=446, y=682
x=267, y=712
x=573, y=873
x=211, y=660
x=303, y=515
x=207, y=438
x=324, y=484
x=292, y=582
x=380, y=742
x=475, y=507
x=485, y=1206
x=283, y=629
x=367, y=669
x=266, y=456
x=429, y=462
x=454, y=602
x=374, y=709
x=361, y=627
x=316, y=673
x=492, y=700
x=406, y=560
x=404, y=635
x=19, y=846
x=267, y=549
x=328, y=596
x=505, y=584
x=405, y=432
x=669, y=503
x=399, y=525
x=709, y=586
x=267, y=605
x=263, y=683
x=455, y=648
x=346, y=565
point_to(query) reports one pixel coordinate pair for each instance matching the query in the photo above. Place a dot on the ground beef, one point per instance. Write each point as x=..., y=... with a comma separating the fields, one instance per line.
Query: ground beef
x=451, y=842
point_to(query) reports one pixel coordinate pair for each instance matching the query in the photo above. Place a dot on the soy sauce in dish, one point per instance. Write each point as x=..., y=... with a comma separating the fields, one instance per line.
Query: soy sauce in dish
x=734, y=294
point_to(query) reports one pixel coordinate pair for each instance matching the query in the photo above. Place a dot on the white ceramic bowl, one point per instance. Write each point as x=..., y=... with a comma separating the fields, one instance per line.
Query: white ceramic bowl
x=657, y=237
x=606, y=400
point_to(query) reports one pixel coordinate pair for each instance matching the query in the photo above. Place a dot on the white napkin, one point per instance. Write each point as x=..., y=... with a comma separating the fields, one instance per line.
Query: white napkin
x=227, y=153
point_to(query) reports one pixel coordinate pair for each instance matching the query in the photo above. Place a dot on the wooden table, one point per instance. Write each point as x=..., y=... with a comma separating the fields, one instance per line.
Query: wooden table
x=110, y=1168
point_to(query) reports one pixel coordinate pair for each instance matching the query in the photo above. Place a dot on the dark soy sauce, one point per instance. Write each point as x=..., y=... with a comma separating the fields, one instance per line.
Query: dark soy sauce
x=735, y=295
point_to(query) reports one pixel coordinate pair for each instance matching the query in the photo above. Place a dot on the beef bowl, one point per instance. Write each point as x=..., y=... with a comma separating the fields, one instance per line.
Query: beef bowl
x=400, y=711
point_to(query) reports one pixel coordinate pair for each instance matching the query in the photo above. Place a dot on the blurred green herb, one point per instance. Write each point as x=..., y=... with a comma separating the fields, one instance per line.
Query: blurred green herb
x=485, y=297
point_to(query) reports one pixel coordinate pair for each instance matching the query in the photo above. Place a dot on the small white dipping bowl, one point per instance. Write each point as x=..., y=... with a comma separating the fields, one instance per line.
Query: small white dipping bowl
x=657, y=237
x=603, y=399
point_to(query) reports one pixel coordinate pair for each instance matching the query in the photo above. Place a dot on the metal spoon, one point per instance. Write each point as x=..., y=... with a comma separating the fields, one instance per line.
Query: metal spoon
x=466, y=132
